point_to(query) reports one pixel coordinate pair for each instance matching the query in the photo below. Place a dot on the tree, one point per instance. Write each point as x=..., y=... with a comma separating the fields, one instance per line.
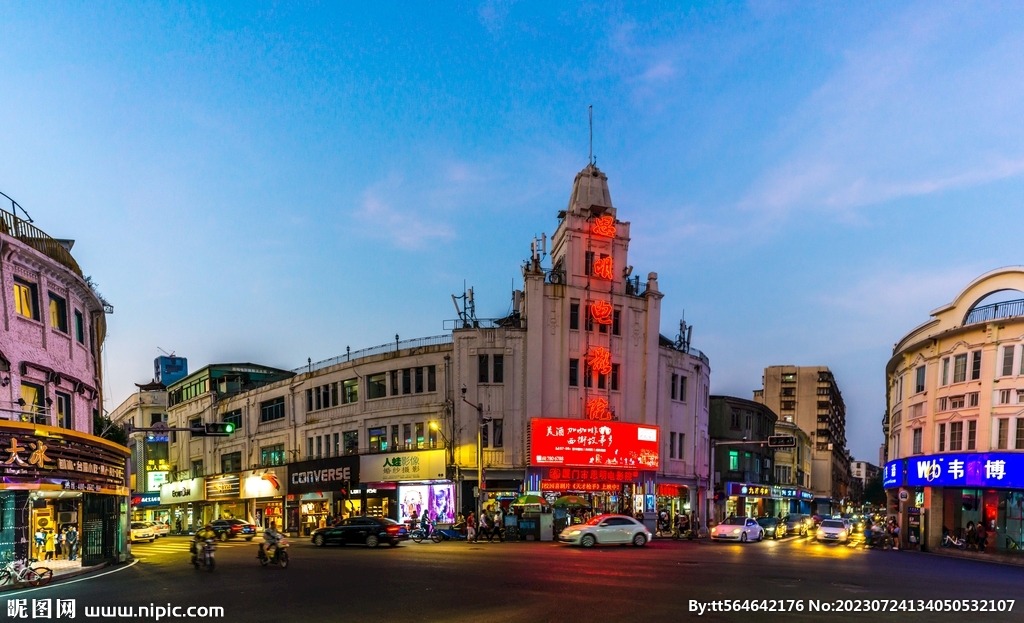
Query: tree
x=874, y=492
x=103, y=427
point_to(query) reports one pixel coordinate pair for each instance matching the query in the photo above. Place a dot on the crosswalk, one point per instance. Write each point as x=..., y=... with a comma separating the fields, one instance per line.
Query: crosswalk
x=178, y=546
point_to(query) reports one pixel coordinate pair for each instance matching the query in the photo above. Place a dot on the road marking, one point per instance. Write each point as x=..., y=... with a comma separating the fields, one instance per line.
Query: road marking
x=91, y=577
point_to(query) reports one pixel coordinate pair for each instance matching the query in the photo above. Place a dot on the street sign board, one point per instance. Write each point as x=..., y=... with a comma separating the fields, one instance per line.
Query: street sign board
x=781, y=441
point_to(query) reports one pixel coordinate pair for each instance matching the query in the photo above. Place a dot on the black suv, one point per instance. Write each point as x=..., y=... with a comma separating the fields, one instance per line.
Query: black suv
x=231, y=528
x=370, y=531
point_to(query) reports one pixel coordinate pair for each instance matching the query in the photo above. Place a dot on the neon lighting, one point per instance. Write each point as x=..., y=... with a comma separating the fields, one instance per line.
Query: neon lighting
x=601, y=312
x=611, y=446
x=603, y=226
x=604, y=268
x=599, y=359
x=597, y=409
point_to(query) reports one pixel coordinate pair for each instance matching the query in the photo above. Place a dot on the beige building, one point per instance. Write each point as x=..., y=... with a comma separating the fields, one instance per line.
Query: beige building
x=955, y=419
x=793, y=465
x=809, y=397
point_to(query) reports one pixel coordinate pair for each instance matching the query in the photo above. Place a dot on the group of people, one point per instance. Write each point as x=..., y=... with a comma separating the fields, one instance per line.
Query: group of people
x=489, y=525
x=60, y=544
x=975, y=535
x=679, y=527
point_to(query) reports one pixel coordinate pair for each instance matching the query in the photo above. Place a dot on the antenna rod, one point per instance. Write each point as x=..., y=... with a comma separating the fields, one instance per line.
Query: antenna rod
x=590, y=155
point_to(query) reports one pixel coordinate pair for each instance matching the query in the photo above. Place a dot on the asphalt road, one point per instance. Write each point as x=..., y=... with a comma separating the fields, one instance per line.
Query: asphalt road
x=542, y=582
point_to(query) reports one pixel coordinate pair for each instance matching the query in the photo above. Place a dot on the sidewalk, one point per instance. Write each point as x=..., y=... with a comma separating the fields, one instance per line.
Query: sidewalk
x=999, y=558
x=62, y=570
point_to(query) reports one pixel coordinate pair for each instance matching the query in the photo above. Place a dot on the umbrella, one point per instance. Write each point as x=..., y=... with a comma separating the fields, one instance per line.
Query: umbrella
x=524, y=500
x=571, y=500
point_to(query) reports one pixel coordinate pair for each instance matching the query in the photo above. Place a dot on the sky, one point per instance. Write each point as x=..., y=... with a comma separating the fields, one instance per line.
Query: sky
x=272, y=182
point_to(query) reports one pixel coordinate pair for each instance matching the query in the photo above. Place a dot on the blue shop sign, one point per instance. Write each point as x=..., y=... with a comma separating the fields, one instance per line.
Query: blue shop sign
x=993, y=469
x=151, y=498
x=892, y=475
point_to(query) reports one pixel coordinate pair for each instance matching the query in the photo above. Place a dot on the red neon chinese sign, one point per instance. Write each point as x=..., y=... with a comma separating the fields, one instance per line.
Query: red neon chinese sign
x=599, y=359
x=597, y=409
x=601, y=312
x=592, y=475
x=582, y=443
x=603, y=226
x=604, y=268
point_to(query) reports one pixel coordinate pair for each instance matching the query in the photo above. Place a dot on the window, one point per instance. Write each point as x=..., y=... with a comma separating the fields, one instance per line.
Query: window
x=407, y=430
x=350, y=440
x=233, y=417
x=671, y=445
x=431, y=437
x=196, y=422
x=499, y=433
x=1008, y=360
x=407, y=381
x=272, y=455
x=615, y=377
x=334, y=394
x=1019, y=437
x=734, y=461
x=431, y=378
x=271, y=410
x=942, y=437
x=419, y=380
x=956, y=436
x=682, y=388
x=919, y=386
x=788, y=405
x=25, y=299
x=309, y=447
x=824, y=405
x=483, y=375
x=230, y=462
x=350, y=391
x=32, y=398
x=789, y=377
x=588, y=263
x=499, y=368
x=1004, y=396
x=58, y=313
x=917, y=441
x=420, y=439
x=337, y=445
x=484, y=437
x=675, y=380
x=64, y=418
x=748, y=421
x=394, y=382
x=79, y=327
x=945, y=372
x=574, y=315
x=943, y=404
x=309, y=400
x=617, y=322
x=376, y=386
x=197, y=469
x=679, y=452
x=574, y=372
x=960, y=368
x=972, y=434
x=976, y=365
x=588, y=376
x=956, y=402
x=378, y=439
x=972, y=399
x=1002, y=433
x=589, y=322
x=735, y=423
x=601, y=381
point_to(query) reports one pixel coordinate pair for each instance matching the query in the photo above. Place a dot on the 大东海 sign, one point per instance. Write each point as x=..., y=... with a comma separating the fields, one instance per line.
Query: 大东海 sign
x=582, y=443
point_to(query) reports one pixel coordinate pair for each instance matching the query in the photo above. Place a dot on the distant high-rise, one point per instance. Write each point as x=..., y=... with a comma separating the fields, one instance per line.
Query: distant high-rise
x=167, y=370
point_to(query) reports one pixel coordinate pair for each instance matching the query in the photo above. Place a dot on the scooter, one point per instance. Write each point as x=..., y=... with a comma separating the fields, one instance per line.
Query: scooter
x=204, y=558
x=447, y=534
x=879, y=540
x=280, y=557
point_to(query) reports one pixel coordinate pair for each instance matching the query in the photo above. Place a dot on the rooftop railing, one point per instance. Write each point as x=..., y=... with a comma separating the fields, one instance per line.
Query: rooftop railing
x=995, y=311
x=391, y=347
x=37, y=239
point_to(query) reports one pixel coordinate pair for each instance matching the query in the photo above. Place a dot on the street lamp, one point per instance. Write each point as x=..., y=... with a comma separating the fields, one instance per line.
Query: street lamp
x=479, y=451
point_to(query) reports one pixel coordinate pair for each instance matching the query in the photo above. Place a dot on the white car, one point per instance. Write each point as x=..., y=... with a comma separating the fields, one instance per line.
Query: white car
x=159, y=529
x=607, y=530
x=832, y=531
x=142, y=532
x=740, y=529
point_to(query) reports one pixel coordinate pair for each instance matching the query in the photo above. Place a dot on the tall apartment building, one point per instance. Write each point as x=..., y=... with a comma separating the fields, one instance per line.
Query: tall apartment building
x=809, y=397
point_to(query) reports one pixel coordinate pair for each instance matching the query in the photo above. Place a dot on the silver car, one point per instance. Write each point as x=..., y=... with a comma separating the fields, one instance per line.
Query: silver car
x=607, y=530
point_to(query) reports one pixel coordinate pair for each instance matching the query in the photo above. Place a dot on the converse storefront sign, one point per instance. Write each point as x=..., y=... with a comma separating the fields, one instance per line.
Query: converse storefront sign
x=334, y=474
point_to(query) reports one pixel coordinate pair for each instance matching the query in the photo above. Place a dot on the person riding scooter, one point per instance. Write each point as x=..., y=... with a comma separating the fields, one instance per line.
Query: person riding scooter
x=202, y=534
x=271, y=538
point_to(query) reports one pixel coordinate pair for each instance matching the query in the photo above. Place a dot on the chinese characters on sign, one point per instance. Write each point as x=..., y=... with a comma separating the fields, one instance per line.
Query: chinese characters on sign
x=599, y=359
x=603, y=226
x=597, y=409
x=996, y=469
x=601, y=312
x=748, y=490
x=598, y=475
x=66, y=459
x=604, y=268
x=564, y=442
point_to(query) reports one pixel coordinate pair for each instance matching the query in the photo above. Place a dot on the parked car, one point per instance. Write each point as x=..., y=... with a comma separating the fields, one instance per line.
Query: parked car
x=740, y=529
x=159, y=529
x=797, y=523
x=773, y=528
x=142, y=532
x=232, y=528
x=832, y=530
x=369, y=531
x=607, y=530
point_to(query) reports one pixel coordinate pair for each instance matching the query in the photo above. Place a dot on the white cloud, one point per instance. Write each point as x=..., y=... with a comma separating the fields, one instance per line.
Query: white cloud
x=404, y=227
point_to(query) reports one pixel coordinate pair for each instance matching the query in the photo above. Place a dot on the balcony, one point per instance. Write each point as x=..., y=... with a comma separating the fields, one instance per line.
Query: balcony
x=390, y=347
x=410, y=447
x=995, y=311
x=34, y=237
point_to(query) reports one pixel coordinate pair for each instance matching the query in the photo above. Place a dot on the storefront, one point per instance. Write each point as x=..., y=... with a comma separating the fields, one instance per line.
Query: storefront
x=405, y=483
x=54, y=479
x=146, y=507
x=743, y=499
x=959, y=492
x=185, y=500
x=264, y=490
x=225, y=492
x=320, y=489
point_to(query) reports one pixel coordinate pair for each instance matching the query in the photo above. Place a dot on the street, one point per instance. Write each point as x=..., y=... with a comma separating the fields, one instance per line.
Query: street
x=539, y=581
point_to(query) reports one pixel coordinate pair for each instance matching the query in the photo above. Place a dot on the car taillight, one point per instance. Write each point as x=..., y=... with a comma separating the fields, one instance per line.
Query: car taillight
x=236, y=528
x=393, y=529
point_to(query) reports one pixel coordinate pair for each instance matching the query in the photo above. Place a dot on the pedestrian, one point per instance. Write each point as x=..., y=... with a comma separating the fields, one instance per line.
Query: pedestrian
x=470, y=527
x=982, y=536
x=484, y=527
x=177, y=525
x=72, y=541
x=972, y=537
x=59, y=543
x=50, y=544
x=498, y=525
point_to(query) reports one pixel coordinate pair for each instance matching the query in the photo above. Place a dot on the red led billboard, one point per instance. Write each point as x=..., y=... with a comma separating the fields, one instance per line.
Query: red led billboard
x=585, y=443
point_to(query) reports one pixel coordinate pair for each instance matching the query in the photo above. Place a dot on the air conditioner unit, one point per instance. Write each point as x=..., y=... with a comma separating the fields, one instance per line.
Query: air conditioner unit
x=67, y=517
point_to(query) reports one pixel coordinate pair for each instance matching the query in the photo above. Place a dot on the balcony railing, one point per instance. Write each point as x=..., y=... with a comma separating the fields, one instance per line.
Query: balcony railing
x=392, y=347
x=409, y=447
x=995, y=311
x=509, y=322
x=37, y=239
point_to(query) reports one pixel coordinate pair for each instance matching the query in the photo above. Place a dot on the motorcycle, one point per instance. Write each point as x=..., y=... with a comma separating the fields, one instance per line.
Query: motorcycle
x=447, y=534
x=204, y=558
x=280, y=557
x=879, y=540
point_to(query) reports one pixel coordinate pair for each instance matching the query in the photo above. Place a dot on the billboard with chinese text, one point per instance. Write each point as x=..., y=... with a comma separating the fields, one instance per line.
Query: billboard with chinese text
x=993, y=469
x=585, y=443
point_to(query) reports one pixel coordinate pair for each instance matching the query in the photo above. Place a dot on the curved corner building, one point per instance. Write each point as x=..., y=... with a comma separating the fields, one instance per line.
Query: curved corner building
x=55, y=474
x=955, y=419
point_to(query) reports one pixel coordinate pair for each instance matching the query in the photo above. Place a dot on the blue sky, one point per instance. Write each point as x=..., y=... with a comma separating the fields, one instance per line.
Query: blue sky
x=271, y=182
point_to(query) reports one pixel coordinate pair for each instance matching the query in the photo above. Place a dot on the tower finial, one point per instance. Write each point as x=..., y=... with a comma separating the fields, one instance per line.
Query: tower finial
x=590, y=156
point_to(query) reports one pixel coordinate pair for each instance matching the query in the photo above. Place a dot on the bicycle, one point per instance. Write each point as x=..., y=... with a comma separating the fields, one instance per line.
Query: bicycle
x=952, y=541
x=1011, y=544
x=20, y=571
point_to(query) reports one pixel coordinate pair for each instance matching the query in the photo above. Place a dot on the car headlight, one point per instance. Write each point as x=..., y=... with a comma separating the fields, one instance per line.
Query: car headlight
x=842, y=534
x=821, y=533
x=736, y=531
x=573, y=532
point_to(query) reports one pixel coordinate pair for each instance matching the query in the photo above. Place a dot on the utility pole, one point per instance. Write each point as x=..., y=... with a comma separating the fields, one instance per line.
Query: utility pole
x=479, y=452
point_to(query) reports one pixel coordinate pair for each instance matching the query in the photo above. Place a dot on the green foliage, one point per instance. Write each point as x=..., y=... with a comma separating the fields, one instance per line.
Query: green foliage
x=103, y=427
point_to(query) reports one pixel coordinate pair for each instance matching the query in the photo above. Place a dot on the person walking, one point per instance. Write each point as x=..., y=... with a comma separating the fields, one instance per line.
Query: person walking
x=470, y=527
x=72, y=542
x=59, y=544
x=982, y=536
x=50, y=544
x=498, y=523
x=484, y=530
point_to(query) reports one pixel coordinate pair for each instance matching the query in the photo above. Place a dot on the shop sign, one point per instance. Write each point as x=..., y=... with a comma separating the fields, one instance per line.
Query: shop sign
x=672, y=490
x=806, y=495
x=892, y=474
x=993, y=469
x=193, y=490
x=581, y=443
x=223, y=487
x=142, y=500
x=334, y=474
x=154, y=480
x=571, y=485
x=262, y=483
x=594, y=474
x=784, y=492
x=43, y=455
x=403, y=466
x=743, y=489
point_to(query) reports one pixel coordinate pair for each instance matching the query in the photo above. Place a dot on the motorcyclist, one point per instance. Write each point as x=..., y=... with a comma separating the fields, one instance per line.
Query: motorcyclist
x=205, y=533
x=271, y=538
x=867, y=533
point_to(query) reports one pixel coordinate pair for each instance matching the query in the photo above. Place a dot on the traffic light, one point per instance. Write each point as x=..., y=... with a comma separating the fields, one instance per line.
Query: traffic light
x=214, y=429
x=781, y=441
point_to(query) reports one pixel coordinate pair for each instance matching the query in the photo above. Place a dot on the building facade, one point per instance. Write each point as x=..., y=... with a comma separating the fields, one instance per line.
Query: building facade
x=793, y=466
x=56, y=474
x=581, y=352
x=955, y=419
x=809, y=397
